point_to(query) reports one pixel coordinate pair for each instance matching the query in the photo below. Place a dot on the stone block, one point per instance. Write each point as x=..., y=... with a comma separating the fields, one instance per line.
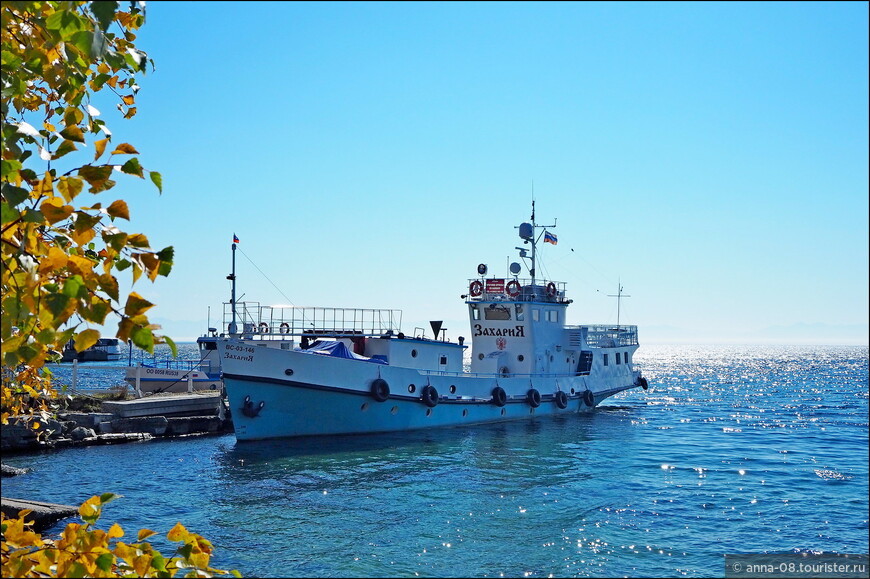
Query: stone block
x=154, y=425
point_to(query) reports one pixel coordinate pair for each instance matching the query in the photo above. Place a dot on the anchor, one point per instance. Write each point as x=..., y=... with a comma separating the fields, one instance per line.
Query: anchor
x=249, y=410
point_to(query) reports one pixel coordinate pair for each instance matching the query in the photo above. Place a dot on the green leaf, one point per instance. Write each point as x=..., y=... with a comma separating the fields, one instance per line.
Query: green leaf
x=7, y=214
x=8, y=167
x=33, y=216
x=106, y=560
x=166, y=254
x=65, y=21
x=56, y=304
x=14, y=195
x=73, y=286
x=105, y=13
x=109, y=497
x=157, y=179
x=73, y=133
x=132, y=167
x=65, y=147
x=172, y=347
x=143, y=338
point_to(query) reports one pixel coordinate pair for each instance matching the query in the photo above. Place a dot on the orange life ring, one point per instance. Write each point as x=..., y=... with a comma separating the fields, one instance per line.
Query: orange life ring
x=513, y=288
x=476, y=288
x=551, y=289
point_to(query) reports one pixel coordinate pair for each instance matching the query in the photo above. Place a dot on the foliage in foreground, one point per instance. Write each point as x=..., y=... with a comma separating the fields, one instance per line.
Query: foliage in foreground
x=61, y=247
x=86, y=551
x=60, y=242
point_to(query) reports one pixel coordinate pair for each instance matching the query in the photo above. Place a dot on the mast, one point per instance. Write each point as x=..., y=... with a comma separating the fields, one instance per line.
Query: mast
x=232, y=277
x=619, y=295
x=527, y=233
x=532, y=271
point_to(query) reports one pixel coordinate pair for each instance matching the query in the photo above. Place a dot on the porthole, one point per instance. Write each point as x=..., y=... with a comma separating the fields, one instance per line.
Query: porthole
x=452, y=389
x=572, y=392
x=503, y=411
x=480, y=356
x=413, y=353
x=465, y=412
x=288, y=372
x=520, y=358
x=411, y=388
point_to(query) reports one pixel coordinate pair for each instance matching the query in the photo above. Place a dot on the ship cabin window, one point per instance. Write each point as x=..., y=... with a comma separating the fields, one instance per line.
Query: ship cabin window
x=626, y=357
x=443, y=360
x=605, y=359
x=210, y=346
x=552, y=316
x=519, y=312
x=475, y=313
x=618, y=358
x=536, y=314
x=497, y=312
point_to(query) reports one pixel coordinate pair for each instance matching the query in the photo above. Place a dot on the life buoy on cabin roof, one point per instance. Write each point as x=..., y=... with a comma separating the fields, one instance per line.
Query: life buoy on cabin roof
x=513, y=288
x=551, y=289
x=476, y=288
x=264, y=328
x=285, y=327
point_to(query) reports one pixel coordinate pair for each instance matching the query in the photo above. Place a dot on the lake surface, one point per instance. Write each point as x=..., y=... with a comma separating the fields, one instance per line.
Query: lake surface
x=732, y=450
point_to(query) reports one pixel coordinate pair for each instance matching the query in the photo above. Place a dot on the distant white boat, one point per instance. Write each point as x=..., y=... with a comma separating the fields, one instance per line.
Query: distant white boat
x=173, y=375
x=325, y=371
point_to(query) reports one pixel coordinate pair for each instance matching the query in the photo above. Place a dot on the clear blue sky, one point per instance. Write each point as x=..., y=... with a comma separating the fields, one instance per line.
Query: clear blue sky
x=711, y=156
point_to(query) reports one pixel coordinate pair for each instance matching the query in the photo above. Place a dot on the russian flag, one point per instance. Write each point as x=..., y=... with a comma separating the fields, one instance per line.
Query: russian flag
x=550, y=238
x=235, y=239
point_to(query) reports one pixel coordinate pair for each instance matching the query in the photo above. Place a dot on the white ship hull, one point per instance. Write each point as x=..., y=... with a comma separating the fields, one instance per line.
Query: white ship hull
x=277, y=393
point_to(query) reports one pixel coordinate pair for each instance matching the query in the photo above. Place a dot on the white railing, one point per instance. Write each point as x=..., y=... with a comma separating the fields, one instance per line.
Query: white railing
x=285, y=321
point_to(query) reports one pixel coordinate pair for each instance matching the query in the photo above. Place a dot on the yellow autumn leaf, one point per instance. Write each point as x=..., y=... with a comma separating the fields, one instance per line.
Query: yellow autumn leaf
x=136, y=305
x=119, y=209
x=145, y=533
x=125, y=149
x=177, y=533
x=101, y=147
x=116, y=531
x=86, y=339
x=54, y=213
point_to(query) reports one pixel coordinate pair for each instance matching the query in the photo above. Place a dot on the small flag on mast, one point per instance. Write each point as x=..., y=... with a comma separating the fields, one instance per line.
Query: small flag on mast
x=550, y=238
x=235, y=239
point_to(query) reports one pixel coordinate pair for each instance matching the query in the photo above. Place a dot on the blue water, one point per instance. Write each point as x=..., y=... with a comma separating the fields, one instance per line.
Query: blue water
x=732, y=450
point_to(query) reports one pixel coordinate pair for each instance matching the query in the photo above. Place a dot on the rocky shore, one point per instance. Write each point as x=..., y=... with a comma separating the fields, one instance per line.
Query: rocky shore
x=112, y=427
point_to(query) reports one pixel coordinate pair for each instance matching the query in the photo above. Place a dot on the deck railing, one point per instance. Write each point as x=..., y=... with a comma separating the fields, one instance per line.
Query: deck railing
x=271, y=322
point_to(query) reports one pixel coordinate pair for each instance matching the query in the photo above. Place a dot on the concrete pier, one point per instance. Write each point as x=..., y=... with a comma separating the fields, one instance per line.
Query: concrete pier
x=205, y=404
x=43, y=516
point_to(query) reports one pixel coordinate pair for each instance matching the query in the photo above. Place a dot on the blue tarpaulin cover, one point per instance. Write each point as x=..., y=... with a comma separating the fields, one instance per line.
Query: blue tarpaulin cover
x=339, y=350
